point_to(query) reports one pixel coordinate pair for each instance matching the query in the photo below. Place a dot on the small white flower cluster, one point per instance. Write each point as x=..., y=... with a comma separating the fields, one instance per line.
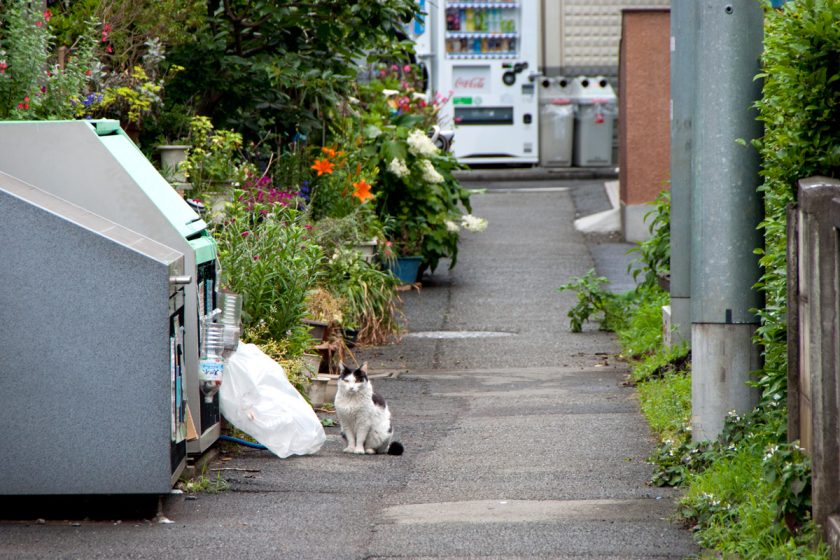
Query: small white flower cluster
x=398, y=167
x=430, y=174
x=421, y=145
x=452, y=226
x=473, y=223
x=769, y=452
x=710, y=499
x=390, y=92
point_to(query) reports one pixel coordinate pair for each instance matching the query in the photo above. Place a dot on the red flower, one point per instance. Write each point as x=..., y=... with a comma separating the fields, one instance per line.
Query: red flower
x=39, y=23
x=246, y=233
x=88, y=72
x=47, y=15
x=109, y=49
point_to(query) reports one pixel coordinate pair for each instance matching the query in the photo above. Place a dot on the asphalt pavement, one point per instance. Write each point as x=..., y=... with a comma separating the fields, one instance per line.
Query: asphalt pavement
x=521, y=439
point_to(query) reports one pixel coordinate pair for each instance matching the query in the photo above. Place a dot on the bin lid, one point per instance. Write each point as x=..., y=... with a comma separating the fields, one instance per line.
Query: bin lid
x=586, y=90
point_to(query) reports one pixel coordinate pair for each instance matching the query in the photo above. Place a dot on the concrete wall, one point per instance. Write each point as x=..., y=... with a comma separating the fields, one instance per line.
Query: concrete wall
x=581, y=37
x=644, y=127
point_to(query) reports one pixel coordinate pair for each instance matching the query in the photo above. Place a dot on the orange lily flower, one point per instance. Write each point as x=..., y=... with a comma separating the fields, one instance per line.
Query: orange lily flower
x=323, y=165
x=329, y=151
x=361, y=190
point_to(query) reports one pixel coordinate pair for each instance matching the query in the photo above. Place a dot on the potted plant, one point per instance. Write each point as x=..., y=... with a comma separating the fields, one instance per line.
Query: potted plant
x=214, y=166
x=360, y=230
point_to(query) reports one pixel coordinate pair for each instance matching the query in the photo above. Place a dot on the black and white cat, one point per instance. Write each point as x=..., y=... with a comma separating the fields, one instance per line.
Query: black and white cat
x=364, y=416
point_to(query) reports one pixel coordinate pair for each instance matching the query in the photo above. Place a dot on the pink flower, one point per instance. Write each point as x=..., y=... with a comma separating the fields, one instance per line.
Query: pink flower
x=256, y=257
x=407, y=68
x=39, y=23
x=395, y=68
x=109, y=49
x=246, y=233
x=47, y=15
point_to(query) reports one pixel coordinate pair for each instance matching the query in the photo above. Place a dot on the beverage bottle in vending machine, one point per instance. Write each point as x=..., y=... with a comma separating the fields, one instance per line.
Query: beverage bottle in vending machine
x=469, y=21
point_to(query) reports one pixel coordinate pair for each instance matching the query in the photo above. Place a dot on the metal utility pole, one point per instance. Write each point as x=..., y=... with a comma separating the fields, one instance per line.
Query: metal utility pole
x=683, y=38
x=725, y=212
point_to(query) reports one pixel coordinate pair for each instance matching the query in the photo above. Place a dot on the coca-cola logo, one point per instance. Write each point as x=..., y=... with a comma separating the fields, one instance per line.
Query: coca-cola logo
x=469, y=83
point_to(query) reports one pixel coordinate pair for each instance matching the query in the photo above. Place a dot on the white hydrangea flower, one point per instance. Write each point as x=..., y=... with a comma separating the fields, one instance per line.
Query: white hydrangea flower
x=430, y=174
x=421, y=145
x=398, y=168
x=390, y=92
x=473, y=223
x=452, y=226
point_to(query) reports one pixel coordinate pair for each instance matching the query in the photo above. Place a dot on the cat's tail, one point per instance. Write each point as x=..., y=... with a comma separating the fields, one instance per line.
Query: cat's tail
x=396, y=448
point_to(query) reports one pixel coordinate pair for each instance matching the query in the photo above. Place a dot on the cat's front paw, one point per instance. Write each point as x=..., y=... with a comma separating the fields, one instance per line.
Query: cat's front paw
x=348, y=449
x=359, y=451
x=370, y=451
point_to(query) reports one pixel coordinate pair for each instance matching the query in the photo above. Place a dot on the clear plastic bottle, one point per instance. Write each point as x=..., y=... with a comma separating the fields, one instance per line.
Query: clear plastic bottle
x=212, y=363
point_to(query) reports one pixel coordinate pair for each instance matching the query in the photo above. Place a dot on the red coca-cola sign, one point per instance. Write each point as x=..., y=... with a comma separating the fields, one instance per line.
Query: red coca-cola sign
x=476, y=82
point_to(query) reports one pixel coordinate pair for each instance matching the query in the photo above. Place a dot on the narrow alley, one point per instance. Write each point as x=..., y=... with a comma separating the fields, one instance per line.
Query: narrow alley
x=521, y=440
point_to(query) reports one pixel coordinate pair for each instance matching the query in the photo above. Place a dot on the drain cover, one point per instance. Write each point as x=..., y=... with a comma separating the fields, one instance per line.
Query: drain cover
x=458, y=334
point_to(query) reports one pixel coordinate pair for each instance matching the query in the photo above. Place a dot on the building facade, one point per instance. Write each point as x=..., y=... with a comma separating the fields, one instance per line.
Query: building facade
x=582, y=37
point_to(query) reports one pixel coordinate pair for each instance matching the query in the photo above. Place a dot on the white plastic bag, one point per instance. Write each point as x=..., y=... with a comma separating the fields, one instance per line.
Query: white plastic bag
x=257, y=398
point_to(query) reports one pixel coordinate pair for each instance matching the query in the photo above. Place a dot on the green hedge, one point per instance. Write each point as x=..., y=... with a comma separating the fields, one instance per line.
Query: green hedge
x=800, y=110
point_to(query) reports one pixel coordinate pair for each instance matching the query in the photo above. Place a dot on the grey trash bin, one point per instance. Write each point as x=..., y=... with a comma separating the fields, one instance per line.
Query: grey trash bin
x=595, y=113
x=557, y=122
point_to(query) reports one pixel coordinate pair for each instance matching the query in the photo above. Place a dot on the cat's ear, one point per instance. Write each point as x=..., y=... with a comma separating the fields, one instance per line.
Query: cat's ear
x=364, y=368
x=342, y=369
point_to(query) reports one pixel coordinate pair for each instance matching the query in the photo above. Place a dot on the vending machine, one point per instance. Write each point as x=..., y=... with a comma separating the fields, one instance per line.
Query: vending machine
x=421, y=31
x=487, y=64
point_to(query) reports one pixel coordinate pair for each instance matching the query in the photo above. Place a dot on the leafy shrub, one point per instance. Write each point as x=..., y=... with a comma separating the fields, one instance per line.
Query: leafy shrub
x=33, y=85
x=800, y=108
x=368, y=295
x=788, y=472
x=269, y=259
x=214, y=161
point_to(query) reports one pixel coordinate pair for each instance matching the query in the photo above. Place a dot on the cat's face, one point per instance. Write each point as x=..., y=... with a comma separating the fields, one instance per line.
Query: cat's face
x=353, y=380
